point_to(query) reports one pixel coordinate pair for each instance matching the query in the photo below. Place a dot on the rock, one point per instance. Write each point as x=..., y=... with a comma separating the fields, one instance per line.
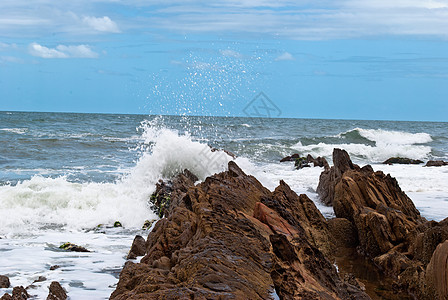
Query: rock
x=56, y=292
x=167, y=192
x=330, y=176
x=147, y=224
x=436, y=163
x=138, y=247
x=344, y=232
x=389, y=228
x=54, y=267
x=18, y=293
x=437, y=272
x=4, y=282
x=231, y=238
x=290, y=158
x=40, y=279
x=301, y=163
x=117, y=224
x=72, y=247
x=403, y=161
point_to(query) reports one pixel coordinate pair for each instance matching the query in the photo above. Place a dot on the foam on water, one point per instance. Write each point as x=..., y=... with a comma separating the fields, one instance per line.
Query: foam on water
x=386, y=144
x=40, y=201
x=15, y=130
x=40, y=214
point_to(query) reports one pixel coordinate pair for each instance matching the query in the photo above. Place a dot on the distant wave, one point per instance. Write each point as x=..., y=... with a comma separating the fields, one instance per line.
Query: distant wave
x=373, y=145
x=381, y=136
x=15, y=130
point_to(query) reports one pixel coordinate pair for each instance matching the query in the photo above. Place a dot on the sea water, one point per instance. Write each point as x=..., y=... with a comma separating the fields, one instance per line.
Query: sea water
x=69, y=177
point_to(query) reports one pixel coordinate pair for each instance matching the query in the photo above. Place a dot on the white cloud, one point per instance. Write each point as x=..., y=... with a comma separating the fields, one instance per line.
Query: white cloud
x=104, y=24
x=231, y=53
x=62, y=51
x=285, y=56
x=5, y=46
x=11, y=59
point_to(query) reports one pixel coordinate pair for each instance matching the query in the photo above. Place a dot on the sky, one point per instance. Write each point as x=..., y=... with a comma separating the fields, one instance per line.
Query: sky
x=370, y=59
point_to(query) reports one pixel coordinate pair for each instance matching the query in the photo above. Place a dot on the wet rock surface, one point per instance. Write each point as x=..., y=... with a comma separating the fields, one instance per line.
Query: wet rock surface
x=302, y=162
x=390, y=231
x=402, y=161
x=4, y=282
x=138, y=247
x=18, y=293
x=436, y=163
x=231, y=238
x=56, y=292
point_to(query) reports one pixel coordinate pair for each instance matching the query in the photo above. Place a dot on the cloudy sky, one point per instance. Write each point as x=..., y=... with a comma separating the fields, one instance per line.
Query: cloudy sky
x=370, y=59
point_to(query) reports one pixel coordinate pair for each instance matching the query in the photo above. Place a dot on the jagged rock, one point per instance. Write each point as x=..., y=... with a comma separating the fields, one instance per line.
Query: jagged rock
x=344, y=232
x=168, y=193
x=73, y=247
x=403, y=161
x=389, y=228
x=4, y=282
x=437, y=272
x=138, y=247
x=56, y=292
x=301, y=162
x=18, y=293
x=231, y=238
x=330, y=176
x=290, y=158
x=436, y=163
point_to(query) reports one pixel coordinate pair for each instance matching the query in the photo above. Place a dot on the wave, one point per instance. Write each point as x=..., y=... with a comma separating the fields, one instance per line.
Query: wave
x=380, y=136
x=373, y=145
x=40, y=201
x=15, y=130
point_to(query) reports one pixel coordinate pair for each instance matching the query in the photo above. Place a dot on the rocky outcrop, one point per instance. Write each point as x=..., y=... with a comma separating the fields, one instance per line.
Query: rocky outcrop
x=436, y=163
x=4, y=282
x=302, y=162
x=56, y=292
x=231, y=238
x=18, y=293
x=72, y=247
x=389, y=229
x=402, y=161
x=138, y=247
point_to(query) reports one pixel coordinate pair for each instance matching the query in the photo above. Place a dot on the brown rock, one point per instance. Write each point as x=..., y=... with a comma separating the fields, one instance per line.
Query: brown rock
x=403, y=161
x=209, y=246
x=436, y=163
x=344, y=232
x=56, y=292
x=18, y=293
x=138, y=247
x=4, y=282
x=437, y=272
x=389, y=228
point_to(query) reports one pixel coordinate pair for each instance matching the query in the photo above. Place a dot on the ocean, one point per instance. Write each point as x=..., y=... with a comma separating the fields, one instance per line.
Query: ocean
x=67, y=177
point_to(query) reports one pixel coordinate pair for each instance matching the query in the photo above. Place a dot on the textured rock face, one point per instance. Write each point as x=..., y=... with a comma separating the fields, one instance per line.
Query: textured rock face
x=231, y=238
x=402, y=161
x=138, y=247
x=4, y=282
x=436, y=163
x=389, y=229
x=56, y=292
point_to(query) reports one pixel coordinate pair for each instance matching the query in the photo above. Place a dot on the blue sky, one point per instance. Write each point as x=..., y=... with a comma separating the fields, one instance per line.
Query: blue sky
x=370, y=59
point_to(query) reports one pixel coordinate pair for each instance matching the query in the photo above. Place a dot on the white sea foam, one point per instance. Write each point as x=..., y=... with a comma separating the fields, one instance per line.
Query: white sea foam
x=390, y=137
x=387, y=144
x=41, y=200
x=31, y=207
x=15, y=130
